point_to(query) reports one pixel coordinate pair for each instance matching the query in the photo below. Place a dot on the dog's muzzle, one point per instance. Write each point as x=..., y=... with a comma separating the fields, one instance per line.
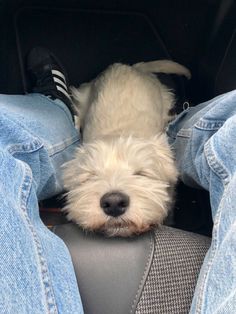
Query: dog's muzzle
x=114, y=203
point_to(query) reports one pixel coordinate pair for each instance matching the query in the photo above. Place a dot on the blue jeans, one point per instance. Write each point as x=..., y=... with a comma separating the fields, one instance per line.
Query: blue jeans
x=37, y=136
x=37, y=276
x=204, y=139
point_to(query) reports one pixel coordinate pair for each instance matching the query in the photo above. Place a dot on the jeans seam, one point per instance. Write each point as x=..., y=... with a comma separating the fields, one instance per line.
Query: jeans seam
x=214, y=245
x=24, y=195
x=206, y=125
x=61, y=146
x=214, y=164
x=25, y=148
x=186, y=133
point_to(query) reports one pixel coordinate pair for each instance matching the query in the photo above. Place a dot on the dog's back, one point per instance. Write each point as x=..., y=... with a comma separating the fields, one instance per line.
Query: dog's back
x=127, y=100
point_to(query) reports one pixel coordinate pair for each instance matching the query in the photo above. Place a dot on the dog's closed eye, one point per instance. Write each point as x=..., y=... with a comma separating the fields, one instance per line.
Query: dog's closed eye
x=139, y=173
x=84, y=177
x=143, y=173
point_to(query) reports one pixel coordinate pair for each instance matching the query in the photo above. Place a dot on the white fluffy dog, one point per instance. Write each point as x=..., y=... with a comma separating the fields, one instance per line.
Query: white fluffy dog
x=122, y=177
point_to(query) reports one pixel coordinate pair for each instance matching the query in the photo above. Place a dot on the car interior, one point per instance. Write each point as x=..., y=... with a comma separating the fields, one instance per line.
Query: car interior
x=155, y=272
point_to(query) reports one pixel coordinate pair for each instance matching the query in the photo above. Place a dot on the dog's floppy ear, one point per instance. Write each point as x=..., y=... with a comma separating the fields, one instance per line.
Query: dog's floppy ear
x=164, y=158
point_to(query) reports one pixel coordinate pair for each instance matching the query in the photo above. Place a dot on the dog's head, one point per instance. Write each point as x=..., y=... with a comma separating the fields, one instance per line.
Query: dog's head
x=120, y=186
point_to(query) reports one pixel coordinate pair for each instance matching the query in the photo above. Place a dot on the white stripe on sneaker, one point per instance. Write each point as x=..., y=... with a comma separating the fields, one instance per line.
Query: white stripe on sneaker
x=58, y=73
x=59, y=81
x=63, y=91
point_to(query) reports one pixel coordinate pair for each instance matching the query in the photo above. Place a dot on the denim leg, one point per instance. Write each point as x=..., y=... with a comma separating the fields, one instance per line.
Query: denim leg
x=37, y=275
x=204, y=139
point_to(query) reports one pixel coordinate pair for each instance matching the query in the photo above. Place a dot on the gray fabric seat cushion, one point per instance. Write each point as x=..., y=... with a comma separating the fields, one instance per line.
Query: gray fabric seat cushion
x=152, y=273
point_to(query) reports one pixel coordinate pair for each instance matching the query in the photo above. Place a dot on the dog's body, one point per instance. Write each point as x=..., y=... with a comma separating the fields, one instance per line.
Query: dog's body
x=122, y=178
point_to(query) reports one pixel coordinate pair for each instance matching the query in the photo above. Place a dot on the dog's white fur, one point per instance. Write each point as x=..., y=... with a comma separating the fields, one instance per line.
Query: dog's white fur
x=123, y=114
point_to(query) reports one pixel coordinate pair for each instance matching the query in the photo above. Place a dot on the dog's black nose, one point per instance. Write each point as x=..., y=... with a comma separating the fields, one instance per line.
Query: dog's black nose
x=114, y=203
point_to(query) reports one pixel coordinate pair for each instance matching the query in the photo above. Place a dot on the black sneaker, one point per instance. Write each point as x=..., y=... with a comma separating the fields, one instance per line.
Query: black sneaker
x=47, y=76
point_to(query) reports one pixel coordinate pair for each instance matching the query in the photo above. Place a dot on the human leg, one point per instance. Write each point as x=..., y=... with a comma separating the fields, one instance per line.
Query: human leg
x=204, y=140
x=37, y=137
